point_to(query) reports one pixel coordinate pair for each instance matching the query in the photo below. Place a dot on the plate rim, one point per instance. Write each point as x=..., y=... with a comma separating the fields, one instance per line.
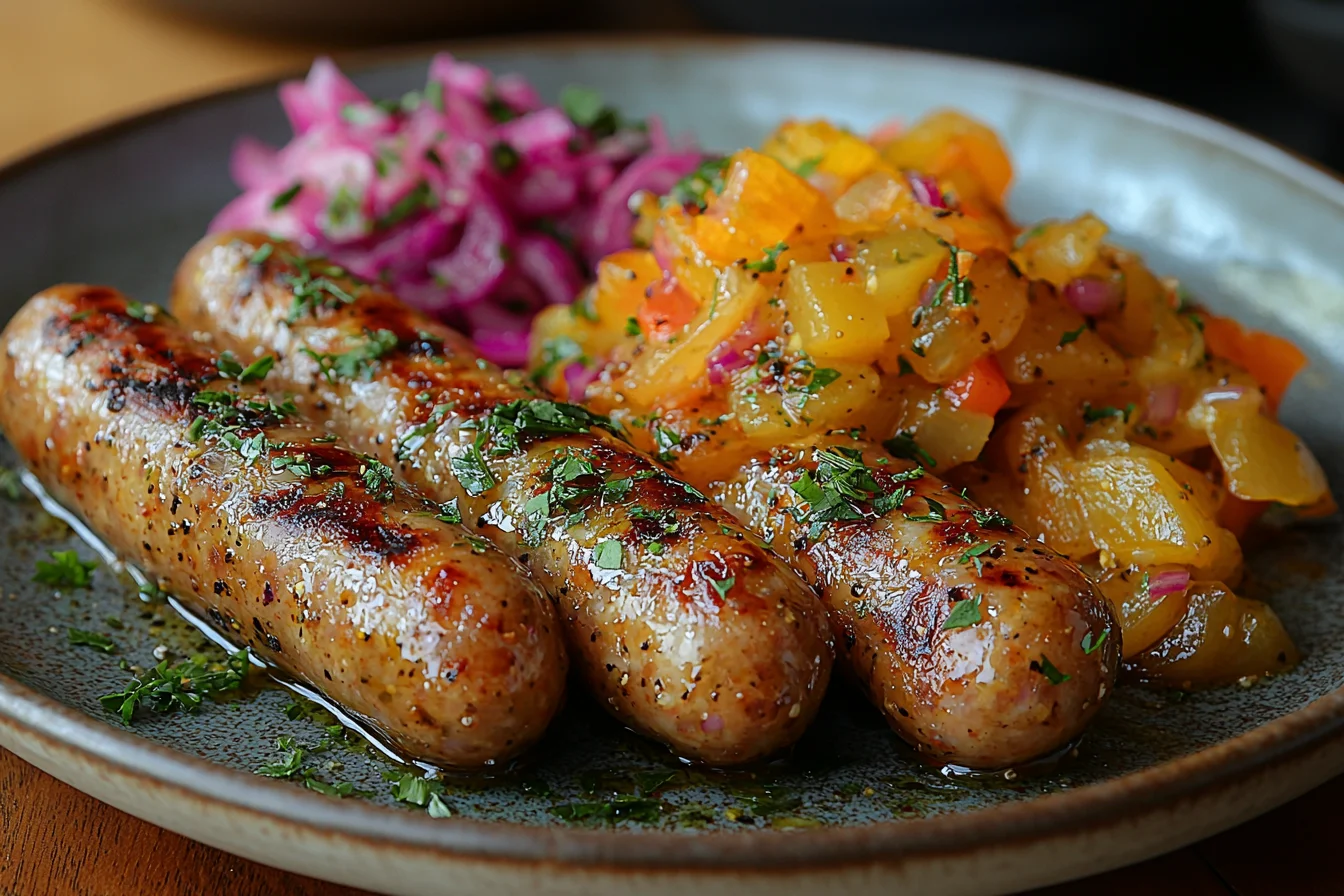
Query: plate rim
x=1263, y=749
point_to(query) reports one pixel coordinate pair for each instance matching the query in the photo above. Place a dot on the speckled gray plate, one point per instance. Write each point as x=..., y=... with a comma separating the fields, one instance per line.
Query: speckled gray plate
x=1254, y=232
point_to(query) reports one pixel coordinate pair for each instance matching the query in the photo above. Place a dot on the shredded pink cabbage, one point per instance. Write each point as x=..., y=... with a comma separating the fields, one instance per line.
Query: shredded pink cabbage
x=470, y=199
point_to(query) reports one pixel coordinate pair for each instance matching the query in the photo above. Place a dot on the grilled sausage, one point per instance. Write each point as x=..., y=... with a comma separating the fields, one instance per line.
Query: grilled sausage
x=680, y=622
x=312, y=554
x=982, y=648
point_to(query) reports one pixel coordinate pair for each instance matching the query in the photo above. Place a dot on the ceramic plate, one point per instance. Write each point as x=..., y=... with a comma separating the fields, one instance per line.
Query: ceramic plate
x=1253, y=231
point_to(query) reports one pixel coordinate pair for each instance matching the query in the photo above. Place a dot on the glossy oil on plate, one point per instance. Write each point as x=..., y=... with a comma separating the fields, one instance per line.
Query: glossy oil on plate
x=1251, y=230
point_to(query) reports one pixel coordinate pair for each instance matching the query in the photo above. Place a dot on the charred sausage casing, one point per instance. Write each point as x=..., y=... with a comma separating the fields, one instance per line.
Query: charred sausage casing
x=981, y=647
x=312, y=554
x=681, y=623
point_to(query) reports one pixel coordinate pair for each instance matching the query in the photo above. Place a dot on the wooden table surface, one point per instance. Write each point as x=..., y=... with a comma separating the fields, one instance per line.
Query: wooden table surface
x=67, y=64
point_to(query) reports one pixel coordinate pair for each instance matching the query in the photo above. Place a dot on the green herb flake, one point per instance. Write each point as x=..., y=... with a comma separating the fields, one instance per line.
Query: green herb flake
x=420, y=197
x=283, y=199
x=144, y=313
x=1071, y=336
x=290, y=764
x=937, y=513
x=11, y=484
x=768, y=264
x=92, y=639
x=904, y=446
x=989, y=518
x=965, y=613
x=693, y=189
x=65, y=570
x=973, y=555
x=1091, y=645
x=723, y=586
x=166, y=689
x=378, y=478
x=807, y=167
x=472, y=473
x=608, y=554
x=230, y=368
x=504, y=157
x=1047, y=668
x=619, y=808
x=1092, y=415
x=359, y=362
x=449, y=513
x=954, y=286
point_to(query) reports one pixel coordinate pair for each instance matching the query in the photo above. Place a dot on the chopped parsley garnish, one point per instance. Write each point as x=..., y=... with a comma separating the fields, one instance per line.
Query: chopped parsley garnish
x=1047, y=668
x=585, y=108
x=65, y=570
x=903, y=366
x=378, y=478
x=449, y=512
x=666, y=441
x=1071, y=336
x=768, y=264
x=291, y=760
x=1092, y=415
x=420, y=197
x=262, y=253
x=1091, y=645
x=556, y=351
x=182, y=687
x=92, y=639
x=973, y=553
x=954, y=287
x=807, y=167
x=572, y=482
x=472, y=472
x=843, y=488
x=937, y=513
x=723, y=586
x=538, y=417
x=422, y=792
x=433, y=95
x=414, y=438
x=231, y=369
x=608, y=554
x=146, y=313
x=965, y=613
x=632, y=327
x=691, y=190
x=820, y=379
x=314, y=286
x=358, y=363
x=989, y=518
x=299, y=465
x=283, y=199
x=904, y=446
x=624, y=806
x=1027, y=236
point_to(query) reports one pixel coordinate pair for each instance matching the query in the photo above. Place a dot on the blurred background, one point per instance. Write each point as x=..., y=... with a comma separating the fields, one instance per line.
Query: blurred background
x=1273, y=66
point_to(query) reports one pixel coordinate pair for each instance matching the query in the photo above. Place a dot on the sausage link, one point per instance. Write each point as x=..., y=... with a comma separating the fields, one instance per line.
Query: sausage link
x=1013, y=675
x=682, y=624
x=312, y=554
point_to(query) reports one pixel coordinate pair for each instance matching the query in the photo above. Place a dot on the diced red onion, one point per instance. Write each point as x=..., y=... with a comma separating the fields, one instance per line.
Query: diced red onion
x=546, y=263
x=1171, y=581
x=733, y=354
x=612, y=220
x=1091, y=296
x=925, y=189
x=577, y=378
x=471, y=270
x=1163, y=403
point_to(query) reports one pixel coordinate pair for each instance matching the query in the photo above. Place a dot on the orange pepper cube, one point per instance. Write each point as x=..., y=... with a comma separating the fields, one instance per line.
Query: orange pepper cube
x=762, y=205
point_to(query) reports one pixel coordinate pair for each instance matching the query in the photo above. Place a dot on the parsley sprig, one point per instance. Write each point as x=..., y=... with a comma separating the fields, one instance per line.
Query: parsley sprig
x=359, y=362
x=314, y=285
x=65, y=570
x=843, y=488
x=183, y=687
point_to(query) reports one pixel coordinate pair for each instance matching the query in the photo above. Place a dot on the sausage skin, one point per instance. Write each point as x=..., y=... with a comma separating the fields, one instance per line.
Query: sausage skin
x=1015, y=675
x=681, y=623
x=318, y=559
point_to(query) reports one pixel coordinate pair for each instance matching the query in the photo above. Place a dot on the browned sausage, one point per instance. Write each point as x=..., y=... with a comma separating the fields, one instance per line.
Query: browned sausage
x=982, y=648
x=314, y=555
x=681, y=623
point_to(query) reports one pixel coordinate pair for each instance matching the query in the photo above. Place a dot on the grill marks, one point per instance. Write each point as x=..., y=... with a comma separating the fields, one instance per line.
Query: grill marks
x=356, y=522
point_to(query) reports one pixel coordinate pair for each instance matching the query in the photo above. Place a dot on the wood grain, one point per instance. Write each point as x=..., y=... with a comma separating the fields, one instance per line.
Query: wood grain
x=55, y=840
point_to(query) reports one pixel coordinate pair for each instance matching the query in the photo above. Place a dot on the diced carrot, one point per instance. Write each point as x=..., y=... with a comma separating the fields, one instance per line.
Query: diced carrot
x=1272, y=360
x=666, y=311
x=982, y=389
